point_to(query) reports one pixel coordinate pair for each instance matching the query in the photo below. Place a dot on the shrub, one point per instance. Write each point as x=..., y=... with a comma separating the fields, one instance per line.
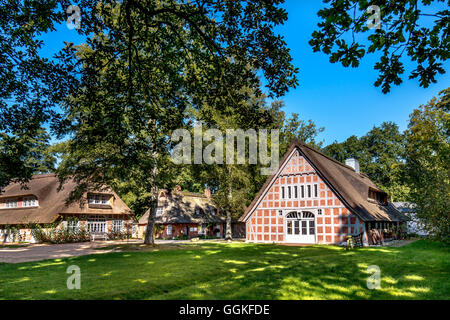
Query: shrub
x=52, y=234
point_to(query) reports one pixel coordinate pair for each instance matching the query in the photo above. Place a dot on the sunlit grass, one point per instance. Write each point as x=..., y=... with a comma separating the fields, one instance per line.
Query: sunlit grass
x=420, y=270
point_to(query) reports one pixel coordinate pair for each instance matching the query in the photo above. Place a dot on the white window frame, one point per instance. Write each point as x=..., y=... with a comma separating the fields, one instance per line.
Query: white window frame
x=29, y=202
x=11, y=203
x=99, y=199
x=72, y=225
x=159, y=211
x=96, y=224
x=169, y=230
x=117, y=225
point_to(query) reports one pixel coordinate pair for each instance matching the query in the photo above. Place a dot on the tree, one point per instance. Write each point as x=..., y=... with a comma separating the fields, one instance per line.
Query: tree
x=144, y=65
x=234, y=183
x=428, y=164
x=296, y=128
x=30, y=87
x=403, y=32
x=23, y=156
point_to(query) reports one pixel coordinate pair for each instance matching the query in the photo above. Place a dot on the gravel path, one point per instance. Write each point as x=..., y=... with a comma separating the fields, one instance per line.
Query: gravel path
x=36, y=252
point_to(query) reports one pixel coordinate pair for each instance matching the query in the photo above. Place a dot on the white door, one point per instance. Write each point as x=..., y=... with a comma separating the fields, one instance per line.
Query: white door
x=300, y=227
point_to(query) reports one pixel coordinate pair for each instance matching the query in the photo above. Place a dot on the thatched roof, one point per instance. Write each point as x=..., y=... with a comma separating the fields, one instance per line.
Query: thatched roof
x=351, y=188
x=52, y=202
x=180, y=207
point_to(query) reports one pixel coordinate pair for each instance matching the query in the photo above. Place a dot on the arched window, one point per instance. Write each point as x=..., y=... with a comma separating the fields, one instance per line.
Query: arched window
x=308, y=215
x=293, y=215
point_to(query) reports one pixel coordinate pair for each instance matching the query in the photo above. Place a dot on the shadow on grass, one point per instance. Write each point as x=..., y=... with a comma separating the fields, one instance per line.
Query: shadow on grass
x=238, y=271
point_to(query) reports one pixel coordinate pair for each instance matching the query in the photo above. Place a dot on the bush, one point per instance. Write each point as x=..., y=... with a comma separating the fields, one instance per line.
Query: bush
x=51, y=234
x=122, y=235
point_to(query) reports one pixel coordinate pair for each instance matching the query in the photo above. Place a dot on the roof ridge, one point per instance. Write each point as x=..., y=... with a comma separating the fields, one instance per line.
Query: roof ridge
x=43, y=175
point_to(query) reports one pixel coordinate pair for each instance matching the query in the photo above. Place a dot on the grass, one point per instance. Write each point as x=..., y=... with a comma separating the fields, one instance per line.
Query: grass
x=14, y=245
x=420, y=270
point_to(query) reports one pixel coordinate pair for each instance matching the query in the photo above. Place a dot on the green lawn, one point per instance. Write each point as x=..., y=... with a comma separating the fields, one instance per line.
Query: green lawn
x=420, y=270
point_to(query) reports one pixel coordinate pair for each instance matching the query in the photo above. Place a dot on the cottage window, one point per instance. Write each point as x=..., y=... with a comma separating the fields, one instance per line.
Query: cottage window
x=193, y=229
x=96, y=224
x=169, y=230
x=29, y=202
x=98, y=199
x=117, y=225
x=11, y=203
x=72, y=225
x=159, y=211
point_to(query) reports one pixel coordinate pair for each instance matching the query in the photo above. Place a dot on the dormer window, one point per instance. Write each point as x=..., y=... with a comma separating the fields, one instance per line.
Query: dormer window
x=377, y=196
x=159, y=211
x=12, y=203
x=29, y=202
x=99, y=199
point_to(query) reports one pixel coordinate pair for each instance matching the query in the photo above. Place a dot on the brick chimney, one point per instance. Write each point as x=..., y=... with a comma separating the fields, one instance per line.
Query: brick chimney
x=352, y=162
x=208, y=193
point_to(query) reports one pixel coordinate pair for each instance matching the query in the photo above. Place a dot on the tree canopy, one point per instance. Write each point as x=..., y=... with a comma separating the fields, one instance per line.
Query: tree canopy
x=410, y=30
x=428, y=164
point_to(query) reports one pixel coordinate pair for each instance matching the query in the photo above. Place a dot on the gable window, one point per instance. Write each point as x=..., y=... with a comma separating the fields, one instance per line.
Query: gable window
x=11, y=203
x=72, y=225
x=315, y=191
x=29, y=202
x=159, y=211
x=303, y=191
x=309, y=191
x=117, y=225
x=295, y=192
x=282, y=192
x=289, y=192
x=98, y=199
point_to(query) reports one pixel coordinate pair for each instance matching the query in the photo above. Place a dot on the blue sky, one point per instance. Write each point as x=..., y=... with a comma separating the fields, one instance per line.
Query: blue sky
x=343, y=100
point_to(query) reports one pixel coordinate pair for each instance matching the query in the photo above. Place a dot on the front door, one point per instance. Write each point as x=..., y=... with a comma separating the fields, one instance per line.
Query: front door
x=300, y=227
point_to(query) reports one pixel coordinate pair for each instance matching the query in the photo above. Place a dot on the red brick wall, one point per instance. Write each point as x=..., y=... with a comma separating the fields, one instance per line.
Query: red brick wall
x=267, y=225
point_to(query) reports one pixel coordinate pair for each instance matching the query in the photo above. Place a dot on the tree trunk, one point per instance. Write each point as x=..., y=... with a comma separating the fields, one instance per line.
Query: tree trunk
x=229, y=234
x=149, y=231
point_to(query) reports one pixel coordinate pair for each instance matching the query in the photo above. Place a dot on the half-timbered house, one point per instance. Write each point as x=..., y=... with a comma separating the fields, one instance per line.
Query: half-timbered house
x=313, y=198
